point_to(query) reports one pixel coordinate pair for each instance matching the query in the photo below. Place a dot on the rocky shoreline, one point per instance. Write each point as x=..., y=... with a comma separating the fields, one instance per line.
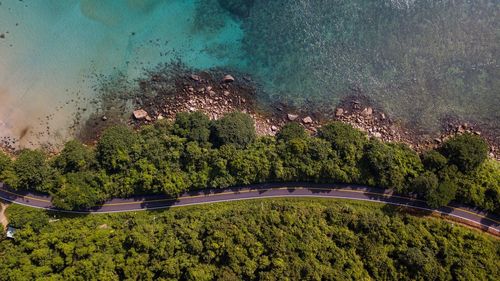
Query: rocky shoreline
x=164, y=93
x=216, y=93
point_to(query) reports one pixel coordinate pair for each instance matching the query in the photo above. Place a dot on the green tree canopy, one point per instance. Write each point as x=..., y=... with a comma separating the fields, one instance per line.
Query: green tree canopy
x=291, y=131
x=466, y=151
x=32, y=171
x=442, y=194
x=194, y=126
x=391, y=165
x=74, y=157
x=433, y=160
x=78, y=191
x=117, y=148
x=345, y=139
x=235, y=128
x=425, y=183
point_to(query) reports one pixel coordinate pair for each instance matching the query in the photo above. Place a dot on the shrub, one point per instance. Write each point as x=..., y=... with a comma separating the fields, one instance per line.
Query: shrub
x=117, y=148
x=291, y=131
x=235, y=128
x=466, y=151
x=193, y=126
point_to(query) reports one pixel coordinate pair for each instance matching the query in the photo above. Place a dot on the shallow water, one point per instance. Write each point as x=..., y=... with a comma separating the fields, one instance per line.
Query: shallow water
x=421, y=60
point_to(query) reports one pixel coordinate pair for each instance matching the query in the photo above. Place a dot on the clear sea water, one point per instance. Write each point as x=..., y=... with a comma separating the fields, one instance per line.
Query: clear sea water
x=421, y=60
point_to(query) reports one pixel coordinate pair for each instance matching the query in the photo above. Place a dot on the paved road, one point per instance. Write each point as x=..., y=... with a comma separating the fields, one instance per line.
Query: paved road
x=480, y=219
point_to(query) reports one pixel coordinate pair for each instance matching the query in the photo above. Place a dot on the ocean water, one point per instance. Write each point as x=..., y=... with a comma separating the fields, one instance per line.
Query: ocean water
x=421, y=60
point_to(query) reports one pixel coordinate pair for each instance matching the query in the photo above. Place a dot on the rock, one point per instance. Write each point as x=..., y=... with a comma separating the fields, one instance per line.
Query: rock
x=226, y=93
x=191, y=89
x=140, y=114
x=208, y=88
x=292, y=117
x=382, y=116
x=228, y=79
x=274, y=128
x=307, y=120
x=195, y=77
x=313, y=129
x=377, y=135
x=2, y=36
x=160, y=117
x=367, y=112
x=148, y=118
x=192, y=109
x=339, y=112
x=104, y=118
x=438, y=140
x=212, y=93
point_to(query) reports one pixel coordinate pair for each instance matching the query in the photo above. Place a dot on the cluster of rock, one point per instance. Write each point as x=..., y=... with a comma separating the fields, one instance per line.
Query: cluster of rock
x=216, y=94
x=204, y=93
x=372, y=121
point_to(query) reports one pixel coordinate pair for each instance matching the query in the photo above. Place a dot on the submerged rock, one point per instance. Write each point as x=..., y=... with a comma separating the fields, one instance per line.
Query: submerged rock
x=239, y=8
x=228, y=79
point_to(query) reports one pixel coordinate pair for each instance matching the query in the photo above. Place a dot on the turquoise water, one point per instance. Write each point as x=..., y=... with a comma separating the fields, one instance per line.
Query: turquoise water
x=421, y=60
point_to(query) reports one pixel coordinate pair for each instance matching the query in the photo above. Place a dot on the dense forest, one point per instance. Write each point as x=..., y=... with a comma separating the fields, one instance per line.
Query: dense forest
x=268, y=239
x=195, y=153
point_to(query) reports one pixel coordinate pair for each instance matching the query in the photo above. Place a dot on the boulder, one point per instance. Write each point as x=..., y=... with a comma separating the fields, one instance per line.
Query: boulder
x=274, y=128
x=140, y=114
x=228, y=79
x=367, y=112
x=292, y=117
x=339, y=112
x=195, y=77
x=307, y=120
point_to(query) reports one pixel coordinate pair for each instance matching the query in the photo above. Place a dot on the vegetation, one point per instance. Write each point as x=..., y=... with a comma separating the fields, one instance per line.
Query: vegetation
x=235, y=128
x=195, y=153
x=284, y=239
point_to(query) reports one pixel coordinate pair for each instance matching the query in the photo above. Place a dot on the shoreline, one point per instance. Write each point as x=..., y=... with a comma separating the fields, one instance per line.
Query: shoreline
x=165, y=92
x=212, y=94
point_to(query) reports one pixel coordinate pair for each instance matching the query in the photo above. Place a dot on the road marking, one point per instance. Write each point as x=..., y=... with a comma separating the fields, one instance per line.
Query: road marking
x=386, y=195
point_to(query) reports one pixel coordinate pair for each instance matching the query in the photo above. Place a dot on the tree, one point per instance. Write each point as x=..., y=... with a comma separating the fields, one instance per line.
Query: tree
x=433, y=160
x=391, y=165
x=466, y=151
x=117, y=148
x=5, y=165
x=33, y=171
x=78, y=191
x=345, y=139
x=74, y=157
x=235, y=128
x=348, y=143
x=5, y=162
x=193, y=126
x=442, y=195
x=425, y=183
x=291, y=131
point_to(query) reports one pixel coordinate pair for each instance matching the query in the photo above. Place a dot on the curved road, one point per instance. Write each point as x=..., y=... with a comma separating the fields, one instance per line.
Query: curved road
x=474, y=217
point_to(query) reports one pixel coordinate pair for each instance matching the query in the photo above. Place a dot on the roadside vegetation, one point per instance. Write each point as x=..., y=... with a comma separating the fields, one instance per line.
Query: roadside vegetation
x=196, y=153
x=268, y=239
